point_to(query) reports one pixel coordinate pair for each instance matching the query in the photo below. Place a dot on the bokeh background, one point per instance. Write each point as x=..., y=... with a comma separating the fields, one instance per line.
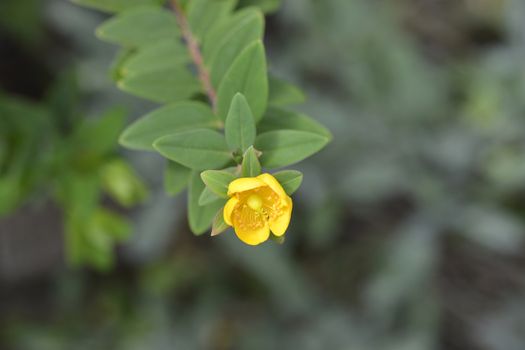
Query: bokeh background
x=407, y=232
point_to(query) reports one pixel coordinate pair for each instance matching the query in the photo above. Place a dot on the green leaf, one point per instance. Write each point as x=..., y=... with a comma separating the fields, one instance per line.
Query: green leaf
x=176, y=178
x=219, y=226
x=277, y=239
x=250, y=163
x=95, y=138
x=121, y=182
x=164, y=55
x=139, y=26
x=116, y=5
x=248, y=76
x=197, y=149
x=163, y=86
x=233, y=37
x=283, y=93
x=207, y=197
x=200, y=217
x=280, y=119
x=115, y=69
x=203, y=15
x=170, y=119
x=106, y=223
x=284, y=147
x=266, y=6
x=218, y=181
x=290, y=180
x=240, y=125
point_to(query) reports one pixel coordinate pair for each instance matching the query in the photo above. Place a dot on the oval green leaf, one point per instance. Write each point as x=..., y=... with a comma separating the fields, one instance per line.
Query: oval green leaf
x=290, y=180
x=250, y=163
x=167, y=120
x=218, y=181
x=197, y=149
x=280, y=119
x=139, y=26
x=176, y=178
x=240, y=125
x=284, y=147
x=200, y=217
x=248, y=76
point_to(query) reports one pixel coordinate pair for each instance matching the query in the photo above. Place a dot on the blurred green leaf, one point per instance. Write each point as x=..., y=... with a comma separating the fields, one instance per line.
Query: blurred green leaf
x=95, y=139
x=197, y=149
x=111, y=225
x=121, y=182
x=248, y=76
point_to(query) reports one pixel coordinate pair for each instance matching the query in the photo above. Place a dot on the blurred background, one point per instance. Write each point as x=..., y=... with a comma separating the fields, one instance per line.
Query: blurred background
x=407, y=232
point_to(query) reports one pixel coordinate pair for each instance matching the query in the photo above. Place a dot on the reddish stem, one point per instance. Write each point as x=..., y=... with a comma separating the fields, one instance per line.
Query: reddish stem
x=195, y=53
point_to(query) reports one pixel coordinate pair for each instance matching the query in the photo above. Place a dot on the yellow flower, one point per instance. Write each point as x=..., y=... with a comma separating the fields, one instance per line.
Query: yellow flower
x=256, y=206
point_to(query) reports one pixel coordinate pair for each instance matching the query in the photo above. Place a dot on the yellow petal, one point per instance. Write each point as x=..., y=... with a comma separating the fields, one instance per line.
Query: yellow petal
x=244, y=184
x=254, y=236
x=228, y=210
x=280, y=224
x=270, y=181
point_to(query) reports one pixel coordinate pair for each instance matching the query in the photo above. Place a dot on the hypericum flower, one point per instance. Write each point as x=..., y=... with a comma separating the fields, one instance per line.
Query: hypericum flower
x=256, y=206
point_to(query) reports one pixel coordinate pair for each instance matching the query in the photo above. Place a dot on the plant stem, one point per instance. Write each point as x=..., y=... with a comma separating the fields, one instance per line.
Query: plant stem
x=195, y=53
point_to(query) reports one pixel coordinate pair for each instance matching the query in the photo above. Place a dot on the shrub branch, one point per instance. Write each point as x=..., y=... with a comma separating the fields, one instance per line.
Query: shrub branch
x=195, y=53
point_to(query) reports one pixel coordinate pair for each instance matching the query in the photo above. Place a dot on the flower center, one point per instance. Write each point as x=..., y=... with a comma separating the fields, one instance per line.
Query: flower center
x=254, y=202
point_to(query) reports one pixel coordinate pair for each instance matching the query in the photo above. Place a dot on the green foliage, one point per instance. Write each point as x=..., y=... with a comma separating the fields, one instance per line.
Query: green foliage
x=207, y=51
x=50, y=150
x=217, y=181
x=277, y=118
x=116, y=5
x=283, y=93
x=290, y=180
x=264, y=5
x=200, y=217
x=176, y=178
x=232, y=38
x=284, y=147
x=250, y=163
x=169, y=119
x=197, y=149
x=247, y=75
x=204, y=15
x=240, y=125
x=138, y=27
x=207, y=197
x=121, y=183
x=218, y=226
